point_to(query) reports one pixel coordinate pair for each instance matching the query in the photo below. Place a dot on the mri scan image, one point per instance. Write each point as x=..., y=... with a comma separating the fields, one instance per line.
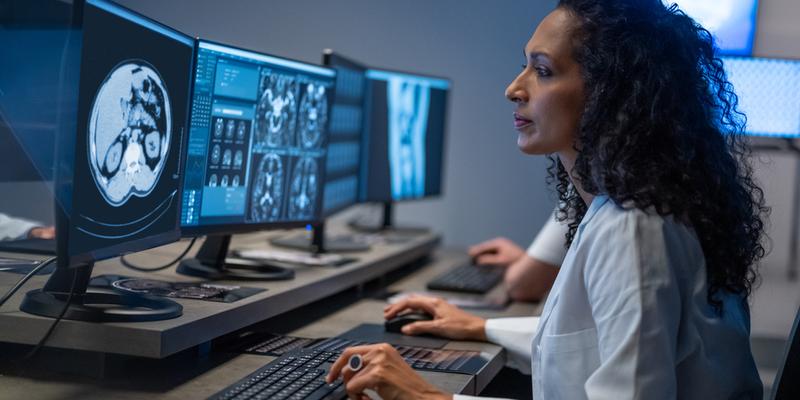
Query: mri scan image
x=276, y=110
x=216, y=154
x=238, y=159
x=212, y=182
x=241, y=129
x=224, y=181
x=267, y=189
x=408, y=119
x=218, y=123
x=235, y=181
x=129, y=132
x=227, y=158
x=229, y=127
x=313, y=115
x=303, y=189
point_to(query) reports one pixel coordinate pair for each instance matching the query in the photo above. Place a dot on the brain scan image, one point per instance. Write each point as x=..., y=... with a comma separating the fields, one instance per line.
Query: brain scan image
x=241, y=129
x=235, y=181
x=313, y=115
x=267, y=189
x=129, y=132
x=216, y=154
x=218, y=124
x=224, y=181
x=227, y=158
x=276, y=110
x=213, y=180
x=238, y=159
x=408, y=119
x=303, y=189
x=229, y=127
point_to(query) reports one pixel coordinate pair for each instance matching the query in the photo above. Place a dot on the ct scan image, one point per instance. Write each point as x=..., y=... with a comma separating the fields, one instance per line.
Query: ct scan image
x=303, y=189
x=129, y=132
x=313, y=115
x=408, y=119
x=276, y=112
x=267, y=188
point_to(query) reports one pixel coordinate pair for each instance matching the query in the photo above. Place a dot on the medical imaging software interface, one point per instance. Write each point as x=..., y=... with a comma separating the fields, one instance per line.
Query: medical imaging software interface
x=769, y=93
x=344, y=151
x=258, y=139
x=133, y=101
x=406, y=135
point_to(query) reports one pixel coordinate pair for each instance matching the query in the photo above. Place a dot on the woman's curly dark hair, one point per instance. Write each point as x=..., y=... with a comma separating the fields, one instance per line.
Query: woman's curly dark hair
x=660, y=129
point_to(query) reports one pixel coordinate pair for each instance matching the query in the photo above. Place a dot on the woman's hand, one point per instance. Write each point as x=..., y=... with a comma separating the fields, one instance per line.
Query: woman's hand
x=498, y=251
x=383, y=371
x=448, y=320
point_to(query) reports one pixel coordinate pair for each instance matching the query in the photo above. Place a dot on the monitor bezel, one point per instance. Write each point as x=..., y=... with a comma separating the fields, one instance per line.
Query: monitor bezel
x=239, y=228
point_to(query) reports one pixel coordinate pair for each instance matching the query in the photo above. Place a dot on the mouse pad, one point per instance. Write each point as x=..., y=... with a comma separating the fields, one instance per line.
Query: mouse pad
x=376, y=334
x=182, y=290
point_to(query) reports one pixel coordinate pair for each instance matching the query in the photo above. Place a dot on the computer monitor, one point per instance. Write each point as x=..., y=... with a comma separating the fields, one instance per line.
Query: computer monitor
x=404, y=139
x=732, y=22
x=118, y=176
x=256, y=152
x=768, y=90
x=343, y=168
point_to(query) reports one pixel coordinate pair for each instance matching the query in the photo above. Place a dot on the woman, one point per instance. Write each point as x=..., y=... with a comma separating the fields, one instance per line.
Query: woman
x=651, y=300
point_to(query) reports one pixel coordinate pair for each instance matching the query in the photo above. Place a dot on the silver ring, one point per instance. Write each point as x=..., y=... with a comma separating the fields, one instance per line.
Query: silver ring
x=355, y=362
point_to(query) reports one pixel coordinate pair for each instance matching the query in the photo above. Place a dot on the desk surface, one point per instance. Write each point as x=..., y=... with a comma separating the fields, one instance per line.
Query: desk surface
x=192, y=374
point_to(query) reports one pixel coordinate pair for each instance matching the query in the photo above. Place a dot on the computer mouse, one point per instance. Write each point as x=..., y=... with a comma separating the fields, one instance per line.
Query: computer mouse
x=399, y=321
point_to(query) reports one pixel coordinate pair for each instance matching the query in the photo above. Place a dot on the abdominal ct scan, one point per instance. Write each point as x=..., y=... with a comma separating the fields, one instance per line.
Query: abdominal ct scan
x=276, y=110
x=313, y=115
x=408, y=119
x=303, y=189
x=267, y=189
x=129, y=132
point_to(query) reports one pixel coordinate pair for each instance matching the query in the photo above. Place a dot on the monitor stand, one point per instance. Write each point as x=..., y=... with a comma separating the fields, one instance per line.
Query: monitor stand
x=317, y=243
x=387, y=224
x=211, y=262
x=95, y=305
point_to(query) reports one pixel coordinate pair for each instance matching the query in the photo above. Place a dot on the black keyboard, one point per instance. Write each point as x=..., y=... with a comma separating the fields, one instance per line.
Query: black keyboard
x=299, y=374
x=278, y=345
x=468, y=278
x=421, y=358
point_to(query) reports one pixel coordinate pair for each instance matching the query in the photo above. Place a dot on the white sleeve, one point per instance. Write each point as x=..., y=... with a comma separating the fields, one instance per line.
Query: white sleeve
x=15, y=228
x=549, y=246
x=465, y=397
x=635, y=303
x=516, y=336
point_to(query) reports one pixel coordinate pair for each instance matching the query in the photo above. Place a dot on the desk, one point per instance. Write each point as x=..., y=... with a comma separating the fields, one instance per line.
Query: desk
x=198, y=373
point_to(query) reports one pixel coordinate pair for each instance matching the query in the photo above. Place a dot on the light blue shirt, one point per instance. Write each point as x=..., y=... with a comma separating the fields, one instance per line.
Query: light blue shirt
x=628, y=318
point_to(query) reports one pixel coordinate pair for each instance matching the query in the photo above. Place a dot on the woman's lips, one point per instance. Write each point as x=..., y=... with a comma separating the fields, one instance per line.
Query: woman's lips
x=520, y=121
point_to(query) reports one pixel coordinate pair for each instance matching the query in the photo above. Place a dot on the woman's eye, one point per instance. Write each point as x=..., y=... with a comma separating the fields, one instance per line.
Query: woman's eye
x=543, y=72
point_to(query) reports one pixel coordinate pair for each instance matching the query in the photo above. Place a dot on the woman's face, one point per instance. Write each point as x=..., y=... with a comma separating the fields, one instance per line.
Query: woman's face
x=549, y=90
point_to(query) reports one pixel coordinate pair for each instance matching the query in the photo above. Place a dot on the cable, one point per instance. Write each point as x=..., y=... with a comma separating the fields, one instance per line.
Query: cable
x=134, y=267
x=26, y=278
x=60, y=316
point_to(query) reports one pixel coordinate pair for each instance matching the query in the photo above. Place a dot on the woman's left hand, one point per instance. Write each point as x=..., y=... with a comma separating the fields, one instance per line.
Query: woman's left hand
x=385, y=372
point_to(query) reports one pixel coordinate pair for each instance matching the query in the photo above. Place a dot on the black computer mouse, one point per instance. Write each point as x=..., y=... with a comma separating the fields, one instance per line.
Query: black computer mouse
x=399, y=321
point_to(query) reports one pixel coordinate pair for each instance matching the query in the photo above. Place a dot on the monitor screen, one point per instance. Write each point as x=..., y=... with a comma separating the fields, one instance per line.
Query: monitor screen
x=343, y=167
x=132, y=110
x=405, y=131
x=732, y=22
x=769, y=94
x=258, y=141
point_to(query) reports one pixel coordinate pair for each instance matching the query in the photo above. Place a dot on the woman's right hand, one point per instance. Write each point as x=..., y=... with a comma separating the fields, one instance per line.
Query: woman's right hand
x=498, y=251
x=448, y=320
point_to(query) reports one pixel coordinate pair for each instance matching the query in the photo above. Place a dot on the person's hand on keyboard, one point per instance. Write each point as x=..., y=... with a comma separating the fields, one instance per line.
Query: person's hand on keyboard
x=498, y=251
x=383, y=371
x=448, y=320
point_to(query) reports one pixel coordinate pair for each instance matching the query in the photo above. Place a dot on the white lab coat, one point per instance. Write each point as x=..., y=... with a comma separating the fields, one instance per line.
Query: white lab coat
x=15, y=228
x=628, y=318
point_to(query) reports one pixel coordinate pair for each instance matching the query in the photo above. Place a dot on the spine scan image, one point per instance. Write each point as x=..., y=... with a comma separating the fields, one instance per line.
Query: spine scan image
x=408, y=120
x=313, y=115
x=129, y=132
x=276, y=110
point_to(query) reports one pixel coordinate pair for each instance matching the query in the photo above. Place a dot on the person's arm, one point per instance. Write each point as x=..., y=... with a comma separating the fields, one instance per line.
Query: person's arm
x=529, y=279
x=16, y=228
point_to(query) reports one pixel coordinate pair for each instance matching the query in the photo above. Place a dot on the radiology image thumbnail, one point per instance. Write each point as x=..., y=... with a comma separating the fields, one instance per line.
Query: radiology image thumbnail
x=408, y=120
x=129, y=132
x=267, y=187
x=313, y=115
x=303, y=189
x=276, y=112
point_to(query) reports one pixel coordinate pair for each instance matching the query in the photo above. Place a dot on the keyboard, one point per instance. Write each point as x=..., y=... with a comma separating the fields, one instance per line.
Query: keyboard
x=468, y=278
x=278, y=345
x=297, y=375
